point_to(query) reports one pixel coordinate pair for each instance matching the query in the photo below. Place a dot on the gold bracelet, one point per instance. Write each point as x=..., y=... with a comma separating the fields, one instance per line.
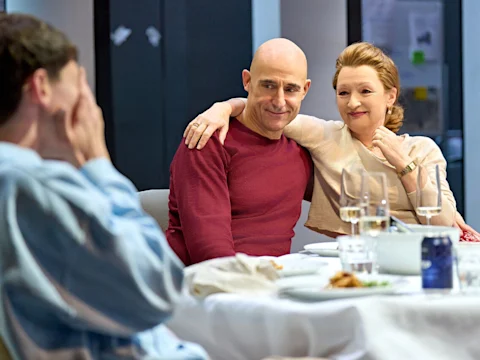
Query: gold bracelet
x=408, y=169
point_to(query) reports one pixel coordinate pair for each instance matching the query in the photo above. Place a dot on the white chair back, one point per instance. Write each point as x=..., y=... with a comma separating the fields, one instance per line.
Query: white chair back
x=304, y=235
x=155, y=203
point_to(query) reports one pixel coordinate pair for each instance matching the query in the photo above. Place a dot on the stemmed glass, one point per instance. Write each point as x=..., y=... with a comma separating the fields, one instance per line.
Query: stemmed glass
x=350, y=200
x=375, y=211
x=375, y=207
x=429, y=195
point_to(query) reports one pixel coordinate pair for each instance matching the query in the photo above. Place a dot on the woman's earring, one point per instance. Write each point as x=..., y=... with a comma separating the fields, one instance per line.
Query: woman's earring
x=389, y=112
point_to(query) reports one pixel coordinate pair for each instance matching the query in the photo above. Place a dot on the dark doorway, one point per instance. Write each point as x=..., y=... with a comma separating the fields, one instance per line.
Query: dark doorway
x=149, y=93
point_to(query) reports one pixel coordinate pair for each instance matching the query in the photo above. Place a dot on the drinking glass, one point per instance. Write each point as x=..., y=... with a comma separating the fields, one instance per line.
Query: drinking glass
x=375, y=207
x=355, y=254
x=375, y=211
x=429, y=195
x=468, y=266
x=350, y=200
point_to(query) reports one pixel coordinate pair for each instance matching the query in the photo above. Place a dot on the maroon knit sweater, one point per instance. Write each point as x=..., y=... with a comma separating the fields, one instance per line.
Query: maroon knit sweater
x=244, y=196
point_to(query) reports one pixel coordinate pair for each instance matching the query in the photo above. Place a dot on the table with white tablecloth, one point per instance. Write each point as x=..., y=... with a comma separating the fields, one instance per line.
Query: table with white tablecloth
x=237, y=327
x=415, y=326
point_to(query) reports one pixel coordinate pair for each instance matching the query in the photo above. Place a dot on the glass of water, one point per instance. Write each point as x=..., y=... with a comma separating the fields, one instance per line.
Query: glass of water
x=355, y=254
x=468, y=267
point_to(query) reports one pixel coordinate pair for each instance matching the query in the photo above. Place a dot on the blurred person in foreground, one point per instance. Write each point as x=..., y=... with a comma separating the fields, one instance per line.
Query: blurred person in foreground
x=84, y=271
x=245, y=196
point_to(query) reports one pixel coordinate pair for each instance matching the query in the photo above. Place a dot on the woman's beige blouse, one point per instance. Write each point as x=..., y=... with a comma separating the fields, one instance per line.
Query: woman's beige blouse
x=333, y=148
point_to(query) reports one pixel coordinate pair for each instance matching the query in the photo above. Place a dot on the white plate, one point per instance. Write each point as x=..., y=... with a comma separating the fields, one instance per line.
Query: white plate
x=329, y=249
x=304, y=267
x=296, y=264
x=312, y=288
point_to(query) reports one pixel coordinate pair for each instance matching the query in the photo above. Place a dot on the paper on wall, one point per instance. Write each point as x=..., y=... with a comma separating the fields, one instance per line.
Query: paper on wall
x=377, y=21
x=425, y=34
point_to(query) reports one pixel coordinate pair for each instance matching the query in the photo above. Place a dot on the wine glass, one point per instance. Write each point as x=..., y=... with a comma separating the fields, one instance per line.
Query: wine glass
x=429, y=195
x=375, y=207
x=350, y=200
x=375, y=211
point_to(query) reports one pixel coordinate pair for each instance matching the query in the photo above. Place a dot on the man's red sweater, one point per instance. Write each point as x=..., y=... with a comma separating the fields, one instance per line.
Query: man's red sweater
x=245, y=196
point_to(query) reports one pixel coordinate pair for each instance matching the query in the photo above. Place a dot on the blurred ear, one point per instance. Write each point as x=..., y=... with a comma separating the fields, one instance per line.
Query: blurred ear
x=246, y=78
x=40, y=88
x=306, y=87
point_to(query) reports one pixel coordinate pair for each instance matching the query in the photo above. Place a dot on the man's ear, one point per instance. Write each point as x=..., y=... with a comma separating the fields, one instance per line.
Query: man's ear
x=40, y=88
x=306, y=87
x=246, y=78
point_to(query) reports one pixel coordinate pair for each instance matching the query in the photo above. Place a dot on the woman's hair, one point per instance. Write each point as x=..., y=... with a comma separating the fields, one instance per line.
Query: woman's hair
x=364, y=53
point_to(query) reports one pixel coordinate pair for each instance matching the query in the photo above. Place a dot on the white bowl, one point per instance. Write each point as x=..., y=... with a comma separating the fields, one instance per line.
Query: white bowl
x=400, y=253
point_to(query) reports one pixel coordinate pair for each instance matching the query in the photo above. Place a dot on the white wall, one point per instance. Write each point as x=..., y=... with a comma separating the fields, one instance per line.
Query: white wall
x=74, y=17
x=319, y=27
x=471, y=117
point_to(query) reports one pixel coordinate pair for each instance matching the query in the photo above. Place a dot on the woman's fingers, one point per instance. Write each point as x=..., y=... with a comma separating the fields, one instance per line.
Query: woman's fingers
x=206, y=135
x=194, y=135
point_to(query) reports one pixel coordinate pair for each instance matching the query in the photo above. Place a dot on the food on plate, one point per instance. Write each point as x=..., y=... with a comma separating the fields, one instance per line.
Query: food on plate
x=343, y=279
x=276, y=266
x=375, y=283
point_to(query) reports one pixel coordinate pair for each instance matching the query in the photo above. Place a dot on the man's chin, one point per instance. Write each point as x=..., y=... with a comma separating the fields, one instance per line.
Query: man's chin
x=278, y=126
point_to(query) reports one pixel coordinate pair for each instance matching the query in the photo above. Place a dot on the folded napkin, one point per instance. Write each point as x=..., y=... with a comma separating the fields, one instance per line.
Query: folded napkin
x=241, y=274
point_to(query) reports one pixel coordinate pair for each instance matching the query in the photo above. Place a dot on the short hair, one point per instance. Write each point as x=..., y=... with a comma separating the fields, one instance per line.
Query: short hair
x=364, y=53
x=28, y=44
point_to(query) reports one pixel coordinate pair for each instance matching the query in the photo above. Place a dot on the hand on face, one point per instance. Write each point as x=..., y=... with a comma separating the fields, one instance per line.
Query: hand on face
x=75, y=136
x=55, y=140
x=391, y=146
x=88, y=126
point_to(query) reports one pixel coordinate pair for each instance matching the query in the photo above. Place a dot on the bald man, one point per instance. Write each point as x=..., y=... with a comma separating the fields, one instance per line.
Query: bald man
x=245, y=196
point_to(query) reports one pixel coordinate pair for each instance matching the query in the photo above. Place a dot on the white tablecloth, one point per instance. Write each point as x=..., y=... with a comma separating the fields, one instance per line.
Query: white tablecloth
x=236, y=327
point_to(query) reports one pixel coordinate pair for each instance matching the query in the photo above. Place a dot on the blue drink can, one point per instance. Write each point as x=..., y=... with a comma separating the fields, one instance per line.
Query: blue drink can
x=437, y=262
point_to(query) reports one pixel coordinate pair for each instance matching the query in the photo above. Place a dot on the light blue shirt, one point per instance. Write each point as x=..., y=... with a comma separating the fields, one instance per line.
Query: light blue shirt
x=84, y=271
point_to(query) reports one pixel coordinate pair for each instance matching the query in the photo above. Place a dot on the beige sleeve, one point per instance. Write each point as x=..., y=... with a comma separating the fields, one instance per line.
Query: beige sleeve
x=306, y=130
x=433, y=157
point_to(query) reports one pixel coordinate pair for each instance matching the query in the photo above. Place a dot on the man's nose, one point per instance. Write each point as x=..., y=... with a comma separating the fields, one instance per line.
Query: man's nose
x=279, y=98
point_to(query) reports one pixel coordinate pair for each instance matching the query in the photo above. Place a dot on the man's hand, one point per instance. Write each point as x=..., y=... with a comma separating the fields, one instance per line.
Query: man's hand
x=88, y=125
x=55, y=140
x=75, y=137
